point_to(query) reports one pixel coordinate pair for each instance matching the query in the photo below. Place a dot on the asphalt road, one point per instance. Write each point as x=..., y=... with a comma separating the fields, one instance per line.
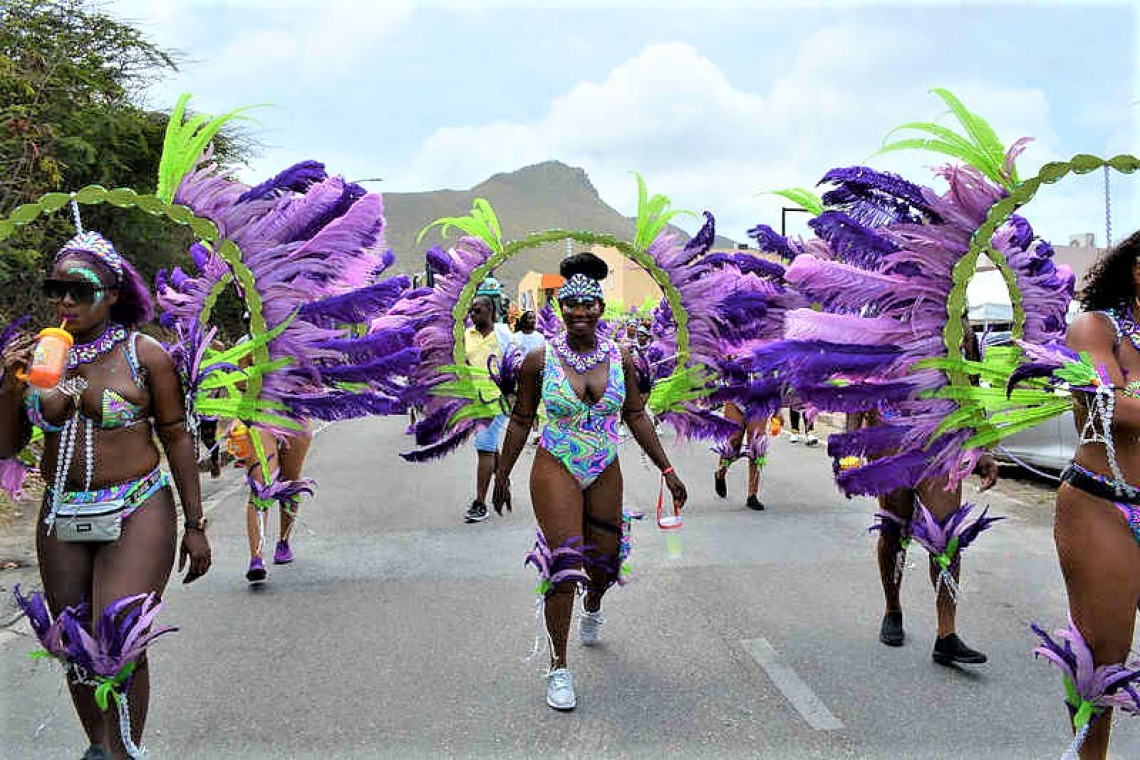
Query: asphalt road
x=402, y=632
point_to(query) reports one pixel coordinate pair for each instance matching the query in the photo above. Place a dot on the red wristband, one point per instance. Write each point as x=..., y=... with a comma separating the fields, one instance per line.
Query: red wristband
x=666, y=471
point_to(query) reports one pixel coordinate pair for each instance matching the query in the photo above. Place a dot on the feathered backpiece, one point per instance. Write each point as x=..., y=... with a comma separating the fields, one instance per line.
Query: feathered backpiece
x=701, y=301
x=548, y=322
x=303, y=251
x=887, y=273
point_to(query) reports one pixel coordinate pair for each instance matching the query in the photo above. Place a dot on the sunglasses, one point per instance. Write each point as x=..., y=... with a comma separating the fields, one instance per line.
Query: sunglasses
x=589, y=302
x=78, y=290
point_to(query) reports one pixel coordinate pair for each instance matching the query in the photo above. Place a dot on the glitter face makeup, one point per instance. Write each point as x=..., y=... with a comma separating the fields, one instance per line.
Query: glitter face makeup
x=91, y=277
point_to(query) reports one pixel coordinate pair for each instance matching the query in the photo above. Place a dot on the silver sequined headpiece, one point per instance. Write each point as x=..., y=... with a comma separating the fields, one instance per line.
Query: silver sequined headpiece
x=581, y=286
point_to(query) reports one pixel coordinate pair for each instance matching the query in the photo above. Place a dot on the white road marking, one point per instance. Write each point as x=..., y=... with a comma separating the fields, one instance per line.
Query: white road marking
x=795, y=690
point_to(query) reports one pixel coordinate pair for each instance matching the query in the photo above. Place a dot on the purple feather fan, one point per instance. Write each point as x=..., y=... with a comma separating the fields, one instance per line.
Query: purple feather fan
x=311, y=242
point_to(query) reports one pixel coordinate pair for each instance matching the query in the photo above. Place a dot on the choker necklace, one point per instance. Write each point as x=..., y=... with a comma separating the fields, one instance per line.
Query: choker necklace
x=581, y=363
x=85, y=353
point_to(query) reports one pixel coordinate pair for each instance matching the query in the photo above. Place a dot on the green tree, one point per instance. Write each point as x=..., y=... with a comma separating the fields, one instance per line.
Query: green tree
x=71, y=79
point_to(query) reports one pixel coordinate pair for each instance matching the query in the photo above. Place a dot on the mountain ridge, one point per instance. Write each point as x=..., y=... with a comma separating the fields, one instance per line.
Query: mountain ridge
x=542, y=196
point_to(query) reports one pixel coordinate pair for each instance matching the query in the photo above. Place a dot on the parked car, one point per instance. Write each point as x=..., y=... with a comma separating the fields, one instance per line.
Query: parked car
x=1048, y=446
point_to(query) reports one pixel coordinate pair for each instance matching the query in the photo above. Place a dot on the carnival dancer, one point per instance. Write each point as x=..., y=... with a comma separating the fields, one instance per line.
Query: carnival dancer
x=285, y=458
x=108, y=529
x=1097, y=523
x=486, y=340
x=796, y=414
x=750, y=443
x=587, y=385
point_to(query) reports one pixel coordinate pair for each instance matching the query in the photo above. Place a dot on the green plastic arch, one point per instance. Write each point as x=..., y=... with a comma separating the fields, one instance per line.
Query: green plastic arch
x=999, y=213
x=639, y=257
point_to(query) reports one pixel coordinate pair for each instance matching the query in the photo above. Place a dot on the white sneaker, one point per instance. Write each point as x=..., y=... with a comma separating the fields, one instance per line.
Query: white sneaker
x=811, y=440
x=560, y=690
x=794, y=438
x=589, y=624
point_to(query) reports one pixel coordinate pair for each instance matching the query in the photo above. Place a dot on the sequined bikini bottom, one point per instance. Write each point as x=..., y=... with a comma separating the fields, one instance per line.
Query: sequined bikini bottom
x=1123, y=496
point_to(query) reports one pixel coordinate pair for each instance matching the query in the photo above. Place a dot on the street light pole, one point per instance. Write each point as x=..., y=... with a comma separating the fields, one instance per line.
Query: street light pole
x=784, y=217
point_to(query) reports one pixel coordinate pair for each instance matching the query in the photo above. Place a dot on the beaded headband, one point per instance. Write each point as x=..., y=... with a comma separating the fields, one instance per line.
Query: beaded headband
x=94, y=244
x=581, y=286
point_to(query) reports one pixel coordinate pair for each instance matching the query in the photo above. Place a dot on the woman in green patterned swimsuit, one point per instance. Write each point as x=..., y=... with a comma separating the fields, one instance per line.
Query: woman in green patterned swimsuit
x=587, y=385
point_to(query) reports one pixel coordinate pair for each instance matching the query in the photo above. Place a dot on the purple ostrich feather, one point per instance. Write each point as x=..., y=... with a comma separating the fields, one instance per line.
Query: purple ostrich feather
x=284, y=492
x=48, y=631
x=548, y=322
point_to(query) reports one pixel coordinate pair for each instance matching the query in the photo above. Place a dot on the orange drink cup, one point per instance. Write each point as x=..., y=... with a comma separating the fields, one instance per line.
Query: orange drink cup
x=49, y=359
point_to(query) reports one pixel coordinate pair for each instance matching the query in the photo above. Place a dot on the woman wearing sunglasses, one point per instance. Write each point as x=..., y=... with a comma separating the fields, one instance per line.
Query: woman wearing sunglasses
x=588, y=385
x=99, y=458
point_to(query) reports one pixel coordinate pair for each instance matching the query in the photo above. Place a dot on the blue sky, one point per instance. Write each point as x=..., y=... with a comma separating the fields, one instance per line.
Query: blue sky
x=713, y=102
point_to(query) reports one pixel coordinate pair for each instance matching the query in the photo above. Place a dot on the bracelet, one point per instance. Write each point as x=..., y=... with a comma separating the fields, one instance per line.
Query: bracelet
x=667, y=471
x=199, y=524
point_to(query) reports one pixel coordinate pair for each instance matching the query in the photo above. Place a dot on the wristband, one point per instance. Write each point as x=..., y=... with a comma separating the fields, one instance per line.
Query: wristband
x=199, y=524
x=667, y=471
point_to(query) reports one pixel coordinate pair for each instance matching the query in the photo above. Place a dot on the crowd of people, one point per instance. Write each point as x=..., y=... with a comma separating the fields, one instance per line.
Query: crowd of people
x=773, y=338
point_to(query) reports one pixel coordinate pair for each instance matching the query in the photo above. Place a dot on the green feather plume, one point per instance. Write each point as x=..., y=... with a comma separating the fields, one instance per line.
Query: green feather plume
x=185, y=142
x=802, y=197
x=978, y=145
x=481, y=223
x=653, y=215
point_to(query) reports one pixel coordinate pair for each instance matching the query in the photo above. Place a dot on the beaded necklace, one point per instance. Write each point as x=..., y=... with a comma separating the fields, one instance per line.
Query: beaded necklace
x=85, y=353
x=581, y=363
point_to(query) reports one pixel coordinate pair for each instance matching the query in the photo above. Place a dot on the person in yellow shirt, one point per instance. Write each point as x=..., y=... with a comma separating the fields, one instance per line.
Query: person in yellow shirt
x=483, y=340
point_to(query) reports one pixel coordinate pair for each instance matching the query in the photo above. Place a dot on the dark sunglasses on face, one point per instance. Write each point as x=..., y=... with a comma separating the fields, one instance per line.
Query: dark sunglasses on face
x=589, y=302
x=79, y=290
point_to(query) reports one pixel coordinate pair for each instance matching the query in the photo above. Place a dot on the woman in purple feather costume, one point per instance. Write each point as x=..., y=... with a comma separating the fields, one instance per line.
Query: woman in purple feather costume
x=119, y=391
x=588, y=384
x=1097, y=523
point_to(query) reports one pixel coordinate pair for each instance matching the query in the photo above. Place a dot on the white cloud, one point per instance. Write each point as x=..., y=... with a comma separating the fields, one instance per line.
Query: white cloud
x=672, y=114
x=272, y=49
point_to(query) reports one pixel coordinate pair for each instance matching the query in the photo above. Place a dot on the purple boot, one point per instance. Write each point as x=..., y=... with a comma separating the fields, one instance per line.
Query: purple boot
x=282, y=555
